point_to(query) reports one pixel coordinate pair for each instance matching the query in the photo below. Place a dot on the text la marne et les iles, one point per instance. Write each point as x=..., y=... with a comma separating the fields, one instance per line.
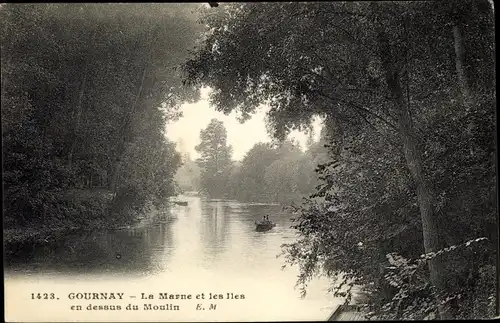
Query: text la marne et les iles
x=113, y=295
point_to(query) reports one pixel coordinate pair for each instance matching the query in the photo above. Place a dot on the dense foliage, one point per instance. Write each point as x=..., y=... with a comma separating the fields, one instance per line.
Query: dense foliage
x=275, y=173
x=86, y=92
x=269, y=172
x=215, y=159
x=407, y=93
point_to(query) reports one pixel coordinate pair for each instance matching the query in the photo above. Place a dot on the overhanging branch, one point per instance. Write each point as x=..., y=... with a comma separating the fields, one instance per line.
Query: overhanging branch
x=336, y=101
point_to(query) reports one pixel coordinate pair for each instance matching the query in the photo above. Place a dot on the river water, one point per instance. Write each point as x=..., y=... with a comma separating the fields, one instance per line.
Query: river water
x=207, y=247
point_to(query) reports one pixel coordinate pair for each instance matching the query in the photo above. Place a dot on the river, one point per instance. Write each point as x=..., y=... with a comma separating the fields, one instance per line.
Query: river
x=208, y=247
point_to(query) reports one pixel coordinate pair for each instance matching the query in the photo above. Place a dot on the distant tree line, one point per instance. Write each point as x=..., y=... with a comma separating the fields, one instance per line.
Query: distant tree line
x=268, y=173
x=407, y=91
x=87, y=90
x=187, y=177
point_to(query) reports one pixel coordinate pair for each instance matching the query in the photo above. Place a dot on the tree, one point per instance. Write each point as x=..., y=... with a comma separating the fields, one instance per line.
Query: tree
x=86, y=107
x=290, y=176
x=215, y=158
x=273, y=173
x=252, y=185
x=361, y=66
x=188, y=175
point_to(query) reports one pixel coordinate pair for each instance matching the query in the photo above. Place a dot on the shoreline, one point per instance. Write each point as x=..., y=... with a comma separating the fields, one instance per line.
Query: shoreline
x=44, y=234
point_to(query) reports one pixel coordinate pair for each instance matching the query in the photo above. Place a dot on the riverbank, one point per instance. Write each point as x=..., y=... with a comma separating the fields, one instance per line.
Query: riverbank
x=45, y=234
x=56, y=229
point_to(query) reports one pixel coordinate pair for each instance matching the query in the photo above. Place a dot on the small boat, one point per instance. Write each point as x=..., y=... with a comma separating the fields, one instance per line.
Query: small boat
x=181, y=203
x=264, y=225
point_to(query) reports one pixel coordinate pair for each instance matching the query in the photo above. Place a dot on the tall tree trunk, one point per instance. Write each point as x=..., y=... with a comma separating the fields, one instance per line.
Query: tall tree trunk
x=79, y=113
x=391, y=63
x=463, y=81
x=460, y=65
x=425, y=195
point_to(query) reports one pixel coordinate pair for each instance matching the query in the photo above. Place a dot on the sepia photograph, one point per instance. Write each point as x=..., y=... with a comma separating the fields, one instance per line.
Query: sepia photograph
x=249, y=161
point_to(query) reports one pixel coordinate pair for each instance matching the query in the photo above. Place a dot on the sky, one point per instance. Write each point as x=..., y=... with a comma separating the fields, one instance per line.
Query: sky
x=196, y=116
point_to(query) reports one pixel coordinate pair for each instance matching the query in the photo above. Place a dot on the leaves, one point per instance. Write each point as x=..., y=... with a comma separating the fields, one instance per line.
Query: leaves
x=215, y=160
x=328, y=60
x=86, y=93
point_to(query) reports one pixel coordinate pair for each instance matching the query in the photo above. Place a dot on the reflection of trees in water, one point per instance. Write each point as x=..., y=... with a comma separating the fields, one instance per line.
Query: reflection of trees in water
x=214, y=228
x=217, y=216
x=257, y=251
x=133, y=250
x=158, y=244
x=256, y=213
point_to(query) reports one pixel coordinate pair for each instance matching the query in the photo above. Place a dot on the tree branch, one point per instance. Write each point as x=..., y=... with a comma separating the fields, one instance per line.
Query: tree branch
x=392, y=126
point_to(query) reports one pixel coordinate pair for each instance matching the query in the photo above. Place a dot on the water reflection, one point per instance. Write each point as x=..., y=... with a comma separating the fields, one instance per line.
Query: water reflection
x=215, y=230
x=122, y=251
x=205, y=234
x=209, y=246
